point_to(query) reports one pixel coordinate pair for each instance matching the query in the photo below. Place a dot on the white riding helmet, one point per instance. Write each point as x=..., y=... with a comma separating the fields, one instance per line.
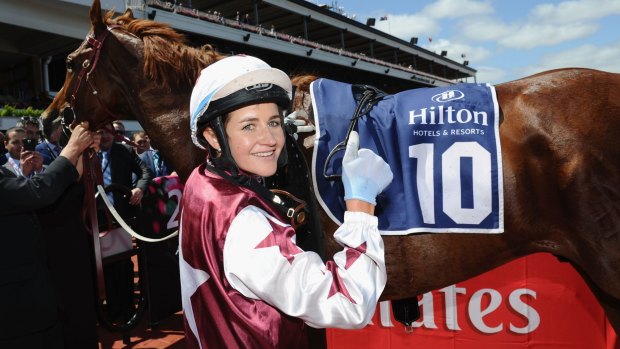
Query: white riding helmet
x=232, y=83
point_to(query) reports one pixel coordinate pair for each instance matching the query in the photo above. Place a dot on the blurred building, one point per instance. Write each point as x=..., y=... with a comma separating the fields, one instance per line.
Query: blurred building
x=296, y=36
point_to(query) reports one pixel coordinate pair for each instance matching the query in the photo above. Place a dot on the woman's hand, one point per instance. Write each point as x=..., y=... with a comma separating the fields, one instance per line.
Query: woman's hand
x=364, y=175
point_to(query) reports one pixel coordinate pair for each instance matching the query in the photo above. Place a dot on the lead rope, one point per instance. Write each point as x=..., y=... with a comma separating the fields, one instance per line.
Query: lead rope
x=101, y=193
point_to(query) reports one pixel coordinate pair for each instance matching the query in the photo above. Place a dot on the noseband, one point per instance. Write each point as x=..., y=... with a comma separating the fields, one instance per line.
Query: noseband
x=87, y=70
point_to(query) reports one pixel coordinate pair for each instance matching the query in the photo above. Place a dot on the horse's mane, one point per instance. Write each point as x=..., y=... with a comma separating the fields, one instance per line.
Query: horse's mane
x=167, y=59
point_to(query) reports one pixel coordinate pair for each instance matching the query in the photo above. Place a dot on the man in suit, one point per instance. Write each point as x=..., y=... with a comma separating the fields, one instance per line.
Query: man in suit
x=142, y=141
x=50, y=147
x=31, y=125
x=148, y=155
x=28, y=316
x=23, y=163
x=118, y=164
x=119, y=128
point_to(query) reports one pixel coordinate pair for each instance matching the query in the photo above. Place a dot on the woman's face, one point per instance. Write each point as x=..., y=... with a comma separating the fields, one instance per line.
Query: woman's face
x=255, y=137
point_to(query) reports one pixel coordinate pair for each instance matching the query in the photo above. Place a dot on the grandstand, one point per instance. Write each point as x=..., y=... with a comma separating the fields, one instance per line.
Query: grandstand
x=296, y=36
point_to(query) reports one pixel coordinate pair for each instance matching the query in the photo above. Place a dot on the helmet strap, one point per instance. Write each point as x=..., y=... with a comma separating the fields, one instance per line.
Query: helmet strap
x=293, y=208
x=224, y=158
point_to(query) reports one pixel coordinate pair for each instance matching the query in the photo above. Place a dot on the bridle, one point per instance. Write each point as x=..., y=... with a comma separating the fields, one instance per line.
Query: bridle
x=93, y=179
x=87, y=70
x=92, y=168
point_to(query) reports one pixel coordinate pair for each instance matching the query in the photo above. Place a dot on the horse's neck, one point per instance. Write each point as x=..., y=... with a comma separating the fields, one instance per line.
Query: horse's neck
x=166, y=121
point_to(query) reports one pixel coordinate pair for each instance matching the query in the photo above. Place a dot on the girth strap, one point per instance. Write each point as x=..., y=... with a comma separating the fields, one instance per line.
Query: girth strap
x=406, y=311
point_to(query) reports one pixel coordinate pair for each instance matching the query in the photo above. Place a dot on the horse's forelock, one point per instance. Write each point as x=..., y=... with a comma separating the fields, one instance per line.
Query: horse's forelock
x=301, y=100
x=302, y=82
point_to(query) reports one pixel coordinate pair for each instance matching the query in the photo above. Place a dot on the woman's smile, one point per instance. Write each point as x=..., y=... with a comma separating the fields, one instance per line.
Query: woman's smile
x=255, y=137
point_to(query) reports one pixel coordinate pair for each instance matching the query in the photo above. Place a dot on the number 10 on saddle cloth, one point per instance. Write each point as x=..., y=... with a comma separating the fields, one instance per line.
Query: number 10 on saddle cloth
x=442, y=145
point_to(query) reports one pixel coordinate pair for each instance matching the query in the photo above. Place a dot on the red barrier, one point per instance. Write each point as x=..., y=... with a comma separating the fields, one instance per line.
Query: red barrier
x=533, y=302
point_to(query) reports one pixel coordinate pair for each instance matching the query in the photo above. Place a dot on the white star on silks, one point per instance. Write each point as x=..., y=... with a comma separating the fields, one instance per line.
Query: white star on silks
x=192, y=278
x=284, y=241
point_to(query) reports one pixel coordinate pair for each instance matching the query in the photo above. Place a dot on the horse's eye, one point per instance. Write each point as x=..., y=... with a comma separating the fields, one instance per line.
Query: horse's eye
x=69, y=65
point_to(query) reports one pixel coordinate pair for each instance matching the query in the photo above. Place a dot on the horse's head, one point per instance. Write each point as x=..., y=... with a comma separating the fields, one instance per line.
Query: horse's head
x=93, y=89
x=127, y=68
x=136, y=69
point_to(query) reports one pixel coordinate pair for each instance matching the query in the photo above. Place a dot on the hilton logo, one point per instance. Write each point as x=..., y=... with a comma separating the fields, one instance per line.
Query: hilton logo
x=448, y=96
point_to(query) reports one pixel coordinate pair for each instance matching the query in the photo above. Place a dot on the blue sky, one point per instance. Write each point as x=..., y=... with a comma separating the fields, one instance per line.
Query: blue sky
x=504, y=39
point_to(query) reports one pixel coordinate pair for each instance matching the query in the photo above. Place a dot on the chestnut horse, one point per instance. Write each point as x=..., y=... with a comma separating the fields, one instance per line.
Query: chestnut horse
x=560, y=151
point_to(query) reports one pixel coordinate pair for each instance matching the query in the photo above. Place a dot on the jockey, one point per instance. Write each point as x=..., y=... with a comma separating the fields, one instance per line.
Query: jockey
x=245, y=283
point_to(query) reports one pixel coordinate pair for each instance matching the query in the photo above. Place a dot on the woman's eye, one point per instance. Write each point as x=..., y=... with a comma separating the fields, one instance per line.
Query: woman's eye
x=274, y=123
x=248, y=127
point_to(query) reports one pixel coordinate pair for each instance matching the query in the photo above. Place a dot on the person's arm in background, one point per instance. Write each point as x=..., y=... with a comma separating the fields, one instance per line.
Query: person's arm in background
x=140, y=169
x=28, y=194
x=31, y=163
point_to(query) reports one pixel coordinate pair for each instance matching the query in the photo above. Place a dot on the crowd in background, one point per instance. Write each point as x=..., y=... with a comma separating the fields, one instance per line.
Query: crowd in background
x=67, y=245
x=28, y=130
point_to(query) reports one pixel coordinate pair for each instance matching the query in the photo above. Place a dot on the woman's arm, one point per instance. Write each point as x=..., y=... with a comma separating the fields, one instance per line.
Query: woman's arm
x=262, y=262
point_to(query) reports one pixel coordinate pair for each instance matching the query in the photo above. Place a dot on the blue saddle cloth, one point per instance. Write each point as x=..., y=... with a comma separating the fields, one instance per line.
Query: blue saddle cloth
x=442, y=145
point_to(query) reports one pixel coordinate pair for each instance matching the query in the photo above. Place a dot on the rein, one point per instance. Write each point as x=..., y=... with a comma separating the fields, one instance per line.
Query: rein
x=94, y=177
x=92, y=170
x=406, y=310
x=92, y=166
x=366, y=96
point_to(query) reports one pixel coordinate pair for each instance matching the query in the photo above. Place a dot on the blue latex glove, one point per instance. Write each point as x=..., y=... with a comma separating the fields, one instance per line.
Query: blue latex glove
x=364, y=173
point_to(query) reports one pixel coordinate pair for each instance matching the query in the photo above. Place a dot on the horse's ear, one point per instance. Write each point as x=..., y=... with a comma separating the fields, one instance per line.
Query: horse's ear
x=96, y=19
x=129, y=14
